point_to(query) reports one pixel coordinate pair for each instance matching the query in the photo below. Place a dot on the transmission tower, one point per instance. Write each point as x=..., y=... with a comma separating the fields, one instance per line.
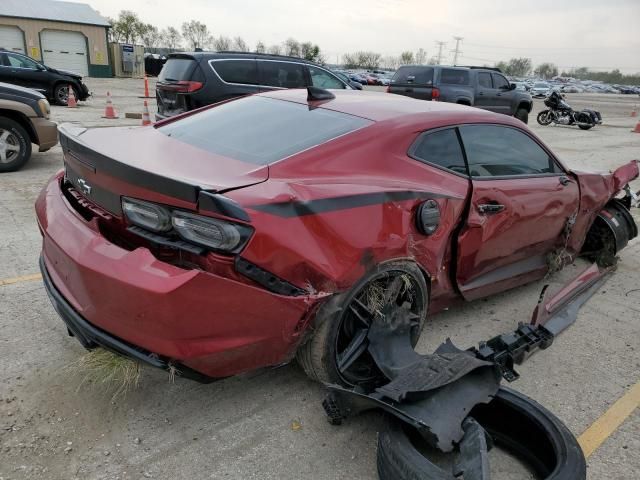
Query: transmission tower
x=440, y=47
x=456, y=51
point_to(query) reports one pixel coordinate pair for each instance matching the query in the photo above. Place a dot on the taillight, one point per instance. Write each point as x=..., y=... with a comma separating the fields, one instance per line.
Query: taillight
x=435, y=94
x=183, y=86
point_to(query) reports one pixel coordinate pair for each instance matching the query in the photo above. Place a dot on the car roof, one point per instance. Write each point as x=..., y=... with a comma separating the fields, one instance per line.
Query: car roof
x=379, y=106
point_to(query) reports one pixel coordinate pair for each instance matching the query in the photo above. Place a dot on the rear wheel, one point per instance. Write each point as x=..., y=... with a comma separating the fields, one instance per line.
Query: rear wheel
x=544, y=117
x=522, y=114
x=15, y=145
x=337, y=352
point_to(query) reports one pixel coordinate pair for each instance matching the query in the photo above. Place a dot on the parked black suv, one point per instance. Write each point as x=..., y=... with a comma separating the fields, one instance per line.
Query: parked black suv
x=193, y=80
x=479, y=87
x=54, y=84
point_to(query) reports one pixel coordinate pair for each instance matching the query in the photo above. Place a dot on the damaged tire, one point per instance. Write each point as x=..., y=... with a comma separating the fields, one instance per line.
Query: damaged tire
x=337, y=351
x=514, y=421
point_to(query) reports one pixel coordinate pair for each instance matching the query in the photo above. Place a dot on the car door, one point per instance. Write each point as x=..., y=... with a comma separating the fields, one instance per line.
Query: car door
x=276, y=74
x=27, y=73
x=485, y=93
x=503, y=93
x=521, y=202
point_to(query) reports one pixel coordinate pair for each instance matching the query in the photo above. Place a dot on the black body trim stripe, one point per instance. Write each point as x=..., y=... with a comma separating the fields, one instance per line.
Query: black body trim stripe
x=214, y=202
x=323, y=205
x=142, y=178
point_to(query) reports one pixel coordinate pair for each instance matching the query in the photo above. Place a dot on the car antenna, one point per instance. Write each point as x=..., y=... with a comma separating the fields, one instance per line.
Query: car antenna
x=315, y=94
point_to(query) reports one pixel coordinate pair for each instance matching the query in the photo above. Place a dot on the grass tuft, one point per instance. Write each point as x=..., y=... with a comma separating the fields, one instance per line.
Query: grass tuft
x=102, y=368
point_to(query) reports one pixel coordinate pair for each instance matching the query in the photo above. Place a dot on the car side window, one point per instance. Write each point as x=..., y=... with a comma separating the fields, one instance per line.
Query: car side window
x=496, y=151
x=21, y=62
x=499, y=81
x=323, y=79
x=237, y=71
x=484, y=80
x=441, y=148
x=282, y=74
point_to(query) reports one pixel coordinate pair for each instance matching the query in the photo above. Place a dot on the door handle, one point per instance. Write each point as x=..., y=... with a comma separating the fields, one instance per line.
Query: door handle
x=481, y=94
x=490, y=208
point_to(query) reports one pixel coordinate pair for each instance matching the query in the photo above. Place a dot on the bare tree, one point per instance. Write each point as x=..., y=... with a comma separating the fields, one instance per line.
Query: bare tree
x=261, y=47
x=172, y=37
x=275, y=50
x=421, y=56
x=291, y=47
x=350, y=60
x=240, y=45
x=368, y=59
x=196, y=34
x=390, y=61
x=222, y=43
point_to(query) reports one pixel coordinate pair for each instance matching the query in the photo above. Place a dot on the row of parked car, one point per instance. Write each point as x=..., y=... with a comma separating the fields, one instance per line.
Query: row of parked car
x=376, y=77
x=542, y=88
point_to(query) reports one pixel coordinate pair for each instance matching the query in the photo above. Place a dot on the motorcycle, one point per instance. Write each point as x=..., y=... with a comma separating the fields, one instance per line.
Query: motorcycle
x=561, y=113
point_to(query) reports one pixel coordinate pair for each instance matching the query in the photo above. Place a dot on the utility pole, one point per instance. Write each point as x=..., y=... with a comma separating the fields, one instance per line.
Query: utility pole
x=456, y=51
x=440, y=47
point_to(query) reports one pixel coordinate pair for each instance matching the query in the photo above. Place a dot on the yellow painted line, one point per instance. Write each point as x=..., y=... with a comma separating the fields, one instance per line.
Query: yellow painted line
x=609, y=422
x=25, y=278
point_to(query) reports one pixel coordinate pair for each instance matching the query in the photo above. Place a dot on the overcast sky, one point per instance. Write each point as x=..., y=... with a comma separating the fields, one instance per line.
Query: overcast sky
x=600, y=34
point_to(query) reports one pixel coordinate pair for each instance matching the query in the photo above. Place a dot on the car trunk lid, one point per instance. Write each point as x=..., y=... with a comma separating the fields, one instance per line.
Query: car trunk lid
x=103, y=164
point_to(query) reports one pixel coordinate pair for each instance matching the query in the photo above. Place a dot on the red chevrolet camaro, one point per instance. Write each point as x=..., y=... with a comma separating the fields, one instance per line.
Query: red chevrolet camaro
x=243, y=234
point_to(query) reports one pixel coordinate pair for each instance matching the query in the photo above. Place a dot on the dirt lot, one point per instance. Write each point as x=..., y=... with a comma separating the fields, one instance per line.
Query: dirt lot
x=270, y=425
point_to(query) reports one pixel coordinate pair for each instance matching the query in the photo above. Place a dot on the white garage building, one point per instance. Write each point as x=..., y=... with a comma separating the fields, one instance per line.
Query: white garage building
x=64, y=35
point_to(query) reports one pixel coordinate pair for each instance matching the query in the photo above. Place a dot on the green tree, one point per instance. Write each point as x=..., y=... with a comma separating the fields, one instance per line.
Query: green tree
x=546, y=70
x=127, y=27
x=406, y=58
x=311, y=52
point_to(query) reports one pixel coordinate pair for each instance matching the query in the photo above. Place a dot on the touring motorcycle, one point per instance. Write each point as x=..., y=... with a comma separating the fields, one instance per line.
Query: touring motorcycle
x=561, y=113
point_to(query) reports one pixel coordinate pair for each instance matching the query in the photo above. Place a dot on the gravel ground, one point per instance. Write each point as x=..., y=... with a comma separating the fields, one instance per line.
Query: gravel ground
x=270, y=425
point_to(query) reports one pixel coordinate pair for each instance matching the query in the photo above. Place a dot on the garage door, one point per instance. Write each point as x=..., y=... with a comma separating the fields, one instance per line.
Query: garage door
x=11, y=38
x=65, y=51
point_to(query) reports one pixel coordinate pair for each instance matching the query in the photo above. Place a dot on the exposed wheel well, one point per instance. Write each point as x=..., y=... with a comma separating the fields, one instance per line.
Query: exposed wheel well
x=526, y=105
x=23, y=120
x=464, y=101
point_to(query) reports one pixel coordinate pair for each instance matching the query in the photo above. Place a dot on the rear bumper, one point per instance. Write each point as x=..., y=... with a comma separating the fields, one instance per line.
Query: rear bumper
x=91, y=337
x=211, y=324
x=47, y=132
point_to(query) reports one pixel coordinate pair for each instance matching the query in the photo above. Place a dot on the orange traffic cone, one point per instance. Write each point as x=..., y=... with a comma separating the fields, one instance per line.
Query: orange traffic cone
x=634, y=112
x=146, y=120
x=109, y=110
x=146, y=87
x=71, y=98
x=637, y=129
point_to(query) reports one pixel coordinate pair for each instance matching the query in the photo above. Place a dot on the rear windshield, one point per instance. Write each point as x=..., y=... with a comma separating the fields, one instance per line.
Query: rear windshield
x=450, y=76
x=261, y=130
x=177, y=69
x=418, y=75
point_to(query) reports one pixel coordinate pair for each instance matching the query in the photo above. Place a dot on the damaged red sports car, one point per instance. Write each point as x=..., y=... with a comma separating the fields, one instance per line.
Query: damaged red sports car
x=243, y=234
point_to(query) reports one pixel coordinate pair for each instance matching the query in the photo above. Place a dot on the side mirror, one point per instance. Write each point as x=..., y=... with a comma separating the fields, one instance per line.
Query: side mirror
x=512, y=86
x=40, y=68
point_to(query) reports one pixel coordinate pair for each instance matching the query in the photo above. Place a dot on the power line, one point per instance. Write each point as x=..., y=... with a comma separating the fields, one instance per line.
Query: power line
x=456, y=51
